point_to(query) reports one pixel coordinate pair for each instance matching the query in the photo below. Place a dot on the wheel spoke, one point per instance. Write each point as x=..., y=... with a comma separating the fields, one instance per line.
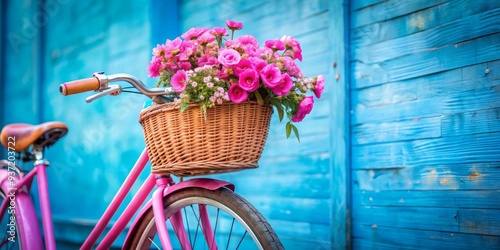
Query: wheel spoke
x=230, y=232
x=242, y=237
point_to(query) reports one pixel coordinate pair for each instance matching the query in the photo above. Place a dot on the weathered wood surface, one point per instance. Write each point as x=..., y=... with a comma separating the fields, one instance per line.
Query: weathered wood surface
x=425, y=124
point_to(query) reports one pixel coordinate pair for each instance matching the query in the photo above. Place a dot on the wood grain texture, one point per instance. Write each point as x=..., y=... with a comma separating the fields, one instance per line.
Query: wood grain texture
x=389, y=9
x=479, y=176
x=468, y=149
x=419, y=21
x=380, y=237
x=483, y=49
x=449, y=34
x=489, y=199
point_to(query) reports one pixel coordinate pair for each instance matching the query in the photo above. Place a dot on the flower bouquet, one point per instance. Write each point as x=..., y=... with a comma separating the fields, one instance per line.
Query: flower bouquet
x=208, y=71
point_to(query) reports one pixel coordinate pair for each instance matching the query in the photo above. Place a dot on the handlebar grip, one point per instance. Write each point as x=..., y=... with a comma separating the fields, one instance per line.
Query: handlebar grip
x=79, y=86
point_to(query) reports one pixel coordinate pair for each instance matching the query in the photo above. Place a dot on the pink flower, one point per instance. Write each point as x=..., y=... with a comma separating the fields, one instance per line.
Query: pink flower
x=276, y=44
x=292, y=47
x=159, y=50
x=319, y=86
x=305, y=107
x=207, y=60
x=237, y=94
x=270, y=75
x=194, y=33
x=291, y=67
x=248, y=43
x=258, y=63
x=187, y=49
x=221, y=74
x=243, y=65
x=179, y=81
x=233, y=25
x=249, y=80
x=284, y=86
x=155, y=67
x=218, y=31
x=229, y=57
x=205, y=38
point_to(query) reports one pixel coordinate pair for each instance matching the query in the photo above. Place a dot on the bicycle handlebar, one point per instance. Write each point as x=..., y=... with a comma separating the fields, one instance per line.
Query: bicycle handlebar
x=79, y=86
x=99, y=83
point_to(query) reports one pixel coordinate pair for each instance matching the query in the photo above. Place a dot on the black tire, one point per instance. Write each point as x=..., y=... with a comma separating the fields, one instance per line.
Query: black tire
x=226, y=205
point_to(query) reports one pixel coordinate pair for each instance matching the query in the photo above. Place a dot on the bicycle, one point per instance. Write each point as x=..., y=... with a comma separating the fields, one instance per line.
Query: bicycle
x=176, y=216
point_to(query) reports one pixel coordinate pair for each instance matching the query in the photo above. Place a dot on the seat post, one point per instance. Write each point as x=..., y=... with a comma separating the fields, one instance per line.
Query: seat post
x=39, y=159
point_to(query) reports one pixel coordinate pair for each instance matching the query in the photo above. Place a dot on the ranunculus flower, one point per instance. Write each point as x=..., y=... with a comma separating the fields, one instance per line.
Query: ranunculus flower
x=249, y=80
x=246, y=42
x=229, y=57
x=284, y=86
x=179, y=81
x=276, y=44
x=233, y=25
x=319, y=86
x=270, y=75
x=243, y=65
x=258, y=63
x=305, y=107
x=237, y=94
x=293, y=47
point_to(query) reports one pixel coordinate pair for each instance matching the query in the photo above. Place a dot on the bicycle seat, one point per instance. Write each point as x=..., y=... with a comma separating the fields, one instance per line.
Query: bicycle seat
x=23, y=135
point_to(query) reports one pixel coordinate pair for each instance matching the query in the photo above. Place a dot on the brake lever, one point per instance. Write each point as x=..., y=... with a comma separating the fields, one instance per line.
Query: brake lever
x=111, y=90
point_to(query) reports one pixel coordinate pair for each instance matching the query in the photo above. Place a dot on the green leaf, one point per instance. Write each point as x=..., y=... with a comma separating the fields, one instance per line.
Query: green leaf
x=184, y=107
x=260, y=101
x=295, y=131
x=281, y=113
x=288, y=129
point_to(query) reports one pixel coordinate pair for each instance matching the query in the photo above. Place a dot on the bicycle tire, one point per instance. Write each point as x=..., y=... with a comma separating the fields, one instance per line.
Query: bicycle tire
x=219, y=200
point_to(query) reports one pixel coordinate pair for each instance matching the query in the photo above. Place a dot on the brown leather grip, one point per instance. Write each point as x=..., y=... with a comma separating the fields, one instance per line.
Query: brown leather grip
x=79, y=86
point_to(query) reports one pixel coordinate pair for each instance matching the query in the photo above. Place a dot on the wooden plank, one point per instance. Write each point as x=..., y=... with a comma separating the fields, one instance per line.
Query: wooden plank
x=368, y=133
x=451, y=103
x=402, y=238
x=480, y=121
x=485, y=176
x=469, y=149
x=479, y=221
x=298, y=163
x=442, y=219
x=479, y=50
x=449, y=34
x=301, y=230
x=339, y=140
x=286, y=185
x=438, y=84
x=389, y=10
x=418, y=21
x=314, y=211
x=463, y=198
x=359, y=4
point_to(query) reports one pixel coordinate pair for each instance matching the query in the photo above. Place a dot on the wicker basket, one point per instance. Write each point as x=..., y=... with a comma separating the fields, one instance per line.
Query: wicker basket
x=230, y=138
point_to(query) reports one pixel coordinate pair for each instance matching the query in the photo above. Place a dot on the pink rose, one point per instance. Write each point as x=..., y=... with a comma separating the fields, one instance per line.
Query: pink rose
x=305, y=107
x=292, y=47
x=229, y=57
x=179, y=81
x=243, y=65
x=284, y=86
x=233, y=25
x=249, y=80
x=270, y=75
x=237, y=94
x=276, y=44
x=319, y=86
x=258, y=63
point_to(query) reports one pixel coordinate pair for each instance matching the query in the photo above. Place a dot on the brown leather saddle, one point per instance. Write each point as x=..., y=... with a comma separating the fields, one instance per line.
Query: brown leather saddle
x=20, y=136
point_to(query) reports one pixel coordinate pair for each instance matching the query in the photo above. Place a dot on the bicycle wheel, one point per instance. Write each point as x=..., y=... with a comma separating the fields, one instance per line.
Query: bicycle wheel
x=234, y=223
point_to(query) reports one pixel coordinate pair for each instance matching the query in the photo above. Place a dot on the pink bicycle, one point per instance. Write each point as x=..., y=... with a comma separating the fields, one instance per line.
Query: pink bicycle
x=198, y=213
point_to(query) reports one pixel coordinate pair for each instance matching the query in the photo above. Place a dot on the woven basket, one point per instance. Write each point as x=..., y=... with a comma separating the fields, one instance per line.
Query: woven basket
x=230, y=138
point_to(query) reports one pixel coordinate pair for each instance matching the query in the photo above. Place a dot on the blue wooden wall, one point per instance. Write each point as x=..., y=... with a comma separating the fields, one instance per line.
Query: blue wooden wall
x=425, y=124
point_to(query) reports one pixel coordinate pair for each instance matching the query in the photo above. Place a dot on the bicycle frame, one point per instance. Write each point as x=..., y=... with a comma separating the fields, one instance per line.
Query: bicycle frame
x=165, y=186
